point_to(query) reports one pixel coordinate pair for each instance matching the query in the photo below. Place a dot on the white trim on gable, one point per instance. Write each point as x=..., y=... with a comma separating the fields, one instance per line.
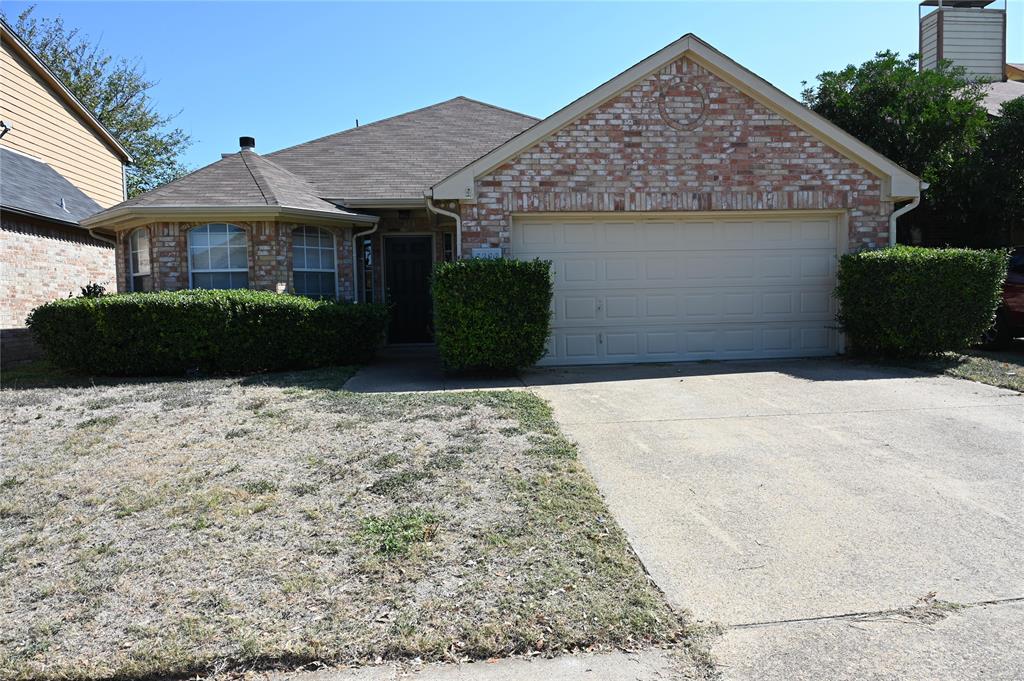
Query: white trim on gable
x=898, y=184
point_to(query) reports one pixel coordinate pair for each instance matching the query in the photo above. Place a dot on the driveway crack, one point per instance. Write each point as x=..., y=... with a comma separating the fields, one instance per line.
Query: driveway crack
x=929, y=604
x=794, y=413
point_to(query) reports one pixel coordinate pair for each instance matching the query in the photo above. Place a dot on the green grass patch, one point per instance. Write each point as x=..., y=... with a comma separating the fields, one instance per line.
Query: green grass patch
x=395, y=533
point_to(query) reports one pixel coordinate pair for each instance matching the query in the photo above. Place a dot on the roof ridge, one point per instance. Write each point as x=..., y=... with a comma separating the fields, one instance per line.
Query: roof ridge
x=360, y=127
x=134, y=199
x=493, y=106
x=347, y=131
x=259, y=185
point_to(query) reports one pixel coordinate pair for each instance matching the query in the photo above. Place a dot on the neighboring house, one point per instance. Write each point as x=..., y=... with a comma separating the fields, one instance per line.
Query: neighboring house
x=971, y=34
x=691, y=210
x=58, y=164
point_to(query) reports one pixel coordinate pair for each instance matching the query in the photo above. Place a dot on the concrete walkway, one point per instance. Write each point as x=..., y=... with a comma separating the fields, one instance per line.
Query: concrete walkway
x=807, y=504
x=650, y=665
x=417, y=368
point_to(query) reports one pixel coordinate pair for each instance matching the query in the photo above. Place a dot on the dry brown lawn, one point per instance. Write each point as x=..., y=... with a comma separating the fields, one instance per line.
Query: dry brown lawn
x=188, y=527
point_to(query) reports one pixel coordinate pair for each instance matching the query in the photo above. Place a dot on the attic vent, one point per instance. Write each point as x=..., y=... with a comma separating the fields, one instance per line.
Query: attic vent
x=247, y=143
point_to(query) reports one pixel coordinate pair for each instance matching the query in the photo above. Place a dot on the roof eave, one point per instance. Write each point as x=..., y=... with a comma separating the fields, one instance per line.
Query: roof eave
x=900, y=183
x=26, y=53
x=120, y=217
x=71, y=222
x=383, y=203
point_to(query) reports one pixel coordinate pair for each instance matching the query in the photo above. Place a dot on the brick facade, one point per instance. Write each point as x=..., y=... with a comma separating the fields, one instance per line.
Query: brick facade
x=42, y=261
x=269, y=251
x=680, y=140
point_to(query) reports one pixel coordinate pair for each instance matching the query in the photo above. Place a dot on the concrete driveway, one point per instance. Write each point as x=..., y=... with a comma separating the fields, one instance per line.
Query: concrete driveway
x=806, y=504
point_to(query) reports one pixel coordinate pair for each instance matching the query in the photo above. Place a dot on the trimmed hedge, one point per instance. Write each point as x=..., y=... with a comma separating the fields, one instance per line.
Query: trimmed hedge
x=491, y=315
x=909, y=301
x=173, y=332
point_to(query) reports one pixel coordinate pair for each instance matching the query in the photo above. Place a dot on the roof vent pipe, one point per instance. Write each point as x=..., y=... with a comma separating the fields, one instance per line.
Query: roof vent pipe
x=247, y=143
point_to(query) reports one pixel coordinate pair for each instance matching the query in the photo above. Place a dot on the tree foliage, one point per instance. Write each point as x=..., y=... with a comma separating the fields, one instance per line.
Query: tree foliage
x=924, y=120
x=117, y=91
x=932, y=123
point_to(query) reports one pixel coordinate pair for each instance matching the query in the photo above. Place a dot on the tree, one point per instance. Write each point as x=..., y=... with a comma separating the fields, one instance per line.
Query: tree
x=117, y=92
x=999, y=173
x=929, y=121
x=923, y=120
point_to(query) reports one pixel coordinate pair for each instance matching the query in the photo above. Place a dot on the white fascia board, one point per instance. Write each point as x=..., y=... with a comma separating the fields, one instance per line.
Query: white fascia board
x=899, y=183
x=119, y=217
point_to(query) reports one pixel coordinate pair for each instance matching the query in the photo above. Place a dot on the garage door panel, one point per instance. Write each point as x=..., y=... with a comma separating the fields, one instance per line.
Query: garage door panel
x=681, y=342
x=546, y=238
x=665, y=289
x=725, y=304
x=688, y=270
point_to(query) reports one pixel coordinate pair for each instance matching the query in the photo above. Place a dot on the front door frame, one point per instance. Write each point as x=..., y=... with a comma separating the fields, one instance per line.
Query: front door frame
x=384, y=266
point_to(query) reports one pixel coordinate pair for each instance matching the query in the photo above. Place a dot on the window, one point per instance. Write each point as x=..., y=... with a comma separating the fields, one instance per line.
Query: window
x=449, y=249
x=313, y=263
x=218, y=257
x=366, y=257
x=140, y=273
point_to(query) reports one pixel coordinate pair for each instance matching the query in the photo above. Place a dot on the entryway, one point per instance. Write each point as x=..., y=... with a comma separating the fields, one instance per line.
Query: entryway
x=407, y=263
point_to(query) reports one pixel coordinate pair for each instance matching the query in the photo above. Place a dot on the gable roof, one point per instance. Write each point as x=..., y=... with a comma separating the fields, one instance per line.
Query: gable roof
x=31, y=187
x=241, y=183
x=402, y=156
x=899, y=182
x=21, y=49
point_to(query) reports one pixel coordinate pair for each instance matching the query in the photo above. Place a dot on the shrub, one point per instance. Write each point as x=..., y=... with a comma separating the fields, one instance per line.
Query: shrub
x=93, y=290
x=918, y=301
x=491, y=315
x=173, y=332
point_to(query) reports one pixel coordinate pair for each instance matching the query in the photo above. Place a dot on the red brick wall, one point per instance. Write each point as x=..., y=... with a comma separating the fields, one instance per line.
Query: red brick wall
x=269, y=250
x=680, y=140
x=43, y=261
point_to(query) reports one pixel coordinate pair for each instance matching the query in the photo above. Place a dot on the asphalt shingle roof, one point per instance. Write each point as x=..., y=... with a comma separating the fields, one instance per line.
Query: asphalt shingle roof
x=31, y=186
x=241, y=179
x=998, y=93
x=403, y=156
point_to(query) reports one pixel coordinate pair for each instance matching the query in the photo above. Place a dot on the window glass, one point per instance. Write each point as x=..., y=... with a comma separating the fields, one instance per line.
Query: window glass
x=218, y=257
x=139, y=261
x=314, y=271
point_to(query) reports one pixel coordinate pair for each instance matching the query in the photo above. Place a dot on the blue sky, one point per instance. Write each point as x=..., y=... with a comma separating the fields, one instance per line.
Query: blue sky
x=288, y=72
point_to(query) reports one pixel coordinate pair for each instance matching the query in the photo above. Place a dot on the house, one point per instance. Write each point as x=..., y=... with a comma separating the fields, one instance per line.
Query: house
x=971, y=34
x=691, y=211
x=58, y=164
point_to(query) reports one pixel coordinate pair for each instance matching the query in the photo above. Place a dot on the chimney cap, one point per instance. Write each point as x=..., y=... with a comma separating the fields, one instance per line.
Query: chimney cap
x=247, y=142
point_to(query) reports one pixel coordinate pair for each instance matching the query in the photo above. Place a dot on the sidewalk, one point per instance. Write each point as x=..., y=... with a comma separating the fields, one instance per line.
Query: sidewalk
x=649, y=665
x=417, y=368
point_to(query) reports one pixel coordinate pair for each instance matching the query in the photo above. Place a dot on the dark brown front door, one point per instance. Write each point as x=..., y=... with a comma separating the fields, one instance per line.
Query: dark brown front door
x=407, y=261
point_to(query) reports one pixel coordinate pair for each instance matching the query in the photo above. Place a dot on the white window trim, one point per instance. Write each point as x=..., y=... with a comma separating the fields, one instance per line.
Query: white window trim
x=188, y=248
x=132, y=274
x=334, y=257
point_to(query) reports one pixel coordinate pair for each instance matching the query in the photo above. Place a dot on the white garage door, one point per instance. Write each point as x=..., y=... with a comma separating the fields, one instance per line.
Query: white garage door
x=657, y=289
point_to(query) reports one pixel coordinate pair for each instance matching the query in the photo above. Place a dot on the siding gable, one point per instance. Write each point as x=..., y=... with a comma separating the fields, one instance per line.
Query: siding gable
x=48, y=129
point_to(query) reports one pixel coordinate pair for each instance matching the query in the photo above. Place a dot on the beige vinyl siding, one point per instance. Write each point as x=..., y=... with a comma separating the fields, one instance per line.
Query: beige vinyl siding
x=46, y=128
x=973, y=39
x=929, y=41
